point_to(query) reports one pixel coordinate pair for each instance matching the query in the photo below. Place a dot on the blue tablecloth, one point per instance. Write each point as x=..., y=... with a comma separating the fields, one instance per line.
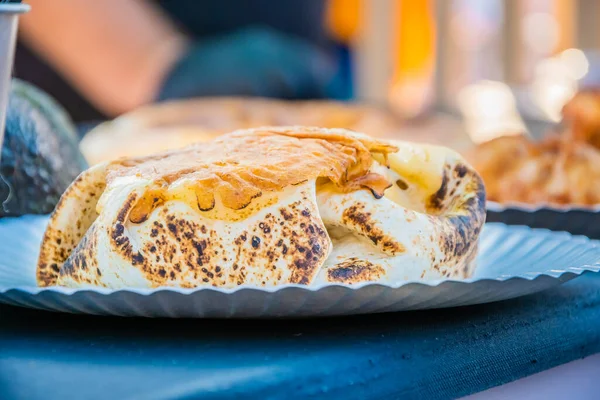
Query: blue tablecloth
x=434, y=354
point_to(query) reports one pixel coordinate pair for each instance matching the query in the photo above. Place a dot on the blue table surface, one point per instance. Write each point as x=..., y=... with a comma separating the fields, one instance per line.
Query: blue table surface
x=427, y=354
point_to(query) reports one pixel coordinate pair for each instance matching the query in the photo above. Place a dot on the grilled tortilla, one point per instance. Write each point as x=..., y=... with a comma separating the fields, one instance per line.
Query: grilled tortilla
x=265, y=207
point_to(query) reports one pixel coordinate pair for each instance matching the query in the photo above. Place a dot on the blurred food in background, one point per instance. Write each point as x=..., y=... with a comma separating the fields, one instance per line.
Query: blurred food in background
x=563, y=168
x=175, y=124
x=524, y=87
x=582, y=115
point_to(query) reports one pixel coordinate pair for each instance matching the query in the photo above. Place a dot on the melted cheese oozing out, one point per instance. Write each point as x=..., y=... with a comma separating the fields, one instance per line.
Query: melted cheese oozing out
x=244, y=165
x=402, y=192
x=419, y=165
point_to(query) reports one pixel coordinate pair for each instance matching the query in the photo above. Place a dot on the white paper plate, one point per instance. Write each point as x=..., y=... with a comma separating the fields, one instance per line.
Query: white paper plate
x=513, y=261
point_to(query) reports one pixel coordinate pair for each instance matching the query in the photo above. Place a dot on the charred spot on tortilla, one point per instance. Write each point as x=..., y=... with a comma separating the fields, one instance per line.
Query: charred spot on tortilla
x=402, y=184
x=437, y=199
x=460, y=170
x=363, y=221
x=354, y=270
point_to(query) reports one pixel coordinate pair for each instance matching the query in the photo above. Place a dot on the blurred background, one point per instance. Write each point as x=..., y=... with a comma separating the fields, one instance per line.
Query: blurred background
x=502, y=65
x=497, y=65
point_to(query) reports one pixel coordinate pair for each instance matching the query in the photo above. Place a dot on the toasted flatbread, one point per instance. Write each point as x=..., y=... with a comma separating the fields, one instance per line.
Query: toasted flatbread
x=265, y=207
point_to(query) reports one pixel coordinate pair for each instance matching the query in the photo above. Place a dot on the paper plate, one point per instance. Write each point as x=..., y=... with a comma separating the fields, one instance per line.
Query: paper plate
x=513, y=261
x=577, y=220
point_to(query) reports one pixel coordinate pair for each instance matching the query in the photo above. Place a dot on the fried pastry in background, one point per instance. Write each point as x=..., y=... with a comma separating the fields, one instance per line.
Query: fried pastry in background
x=581, y=117
x=553, y=171
x=561, y=169
x=175, y=124
x=266, y=207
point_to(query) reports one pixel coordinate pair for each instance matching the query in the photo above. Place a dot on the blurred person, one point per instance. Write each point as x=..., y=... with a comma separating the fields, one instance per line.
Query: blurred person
x=102, y=58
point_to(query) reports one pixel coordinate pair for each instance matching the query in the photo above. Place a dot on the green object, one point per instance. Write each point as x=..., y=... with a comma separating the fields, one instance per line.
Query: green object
x=40, y=153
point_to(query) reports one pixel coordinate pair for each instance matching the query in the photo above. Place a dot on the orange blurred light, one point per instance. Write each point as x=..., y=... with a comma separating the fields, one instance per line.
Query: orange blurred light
x=414, y=57
x=564, y=12
x=415, y=37
x=343, y=19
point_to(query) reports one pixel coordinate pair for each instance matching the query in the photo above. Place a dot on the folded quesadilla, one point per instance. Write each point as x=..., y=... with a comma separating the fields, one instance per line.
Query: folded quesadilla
x=265, y=207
